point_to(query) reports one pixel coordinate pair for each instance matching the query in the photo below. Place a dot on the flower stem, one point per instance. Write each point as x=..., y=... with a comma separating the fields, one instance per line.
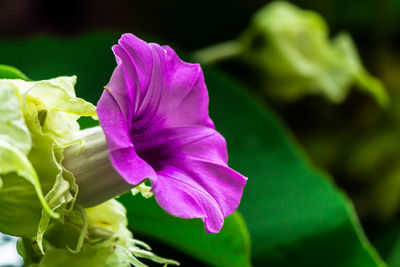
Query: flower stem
x=94, y=173
x=218, y=52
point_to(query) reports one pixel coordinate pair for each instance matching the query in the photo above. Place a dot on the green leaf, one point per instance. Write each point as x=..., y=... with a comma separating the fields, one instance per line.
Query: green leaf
x=295, y=215
x=9, y=72
x=387, y=241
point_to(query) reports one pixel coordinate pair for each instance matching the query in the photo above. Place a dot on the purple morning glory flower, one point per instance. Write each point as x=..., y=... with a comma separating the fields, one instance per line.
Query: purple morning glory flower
x=154, y=113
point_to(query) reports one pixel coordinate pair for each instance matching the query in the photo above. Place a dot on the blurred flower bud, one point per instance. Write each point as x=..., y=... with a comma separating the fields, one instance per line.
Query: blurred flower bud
x=292, y=48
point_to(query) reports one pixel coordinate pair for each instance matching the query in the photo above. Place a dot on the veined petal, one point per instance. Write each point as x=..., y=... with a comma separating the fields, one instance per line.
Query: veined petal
x=177, y=94
x=112, y=122
x=130, y=166
x=179, y=195
x=123, y=98
x=186, y=102
x=223, y=183
x=204, y=190
x=137, y=58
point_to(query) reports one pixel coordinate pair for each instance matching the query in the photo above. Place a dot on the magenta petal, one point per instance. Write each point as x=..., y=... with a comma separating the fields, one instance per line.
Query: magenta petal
x=112, y=122
x=137, y=58
x=183, y=98
x=154, y=114
x=122, y=97
x=222, y=183
x=130, y=166
x=204, y=190
x=181, y=197
x=137, y=70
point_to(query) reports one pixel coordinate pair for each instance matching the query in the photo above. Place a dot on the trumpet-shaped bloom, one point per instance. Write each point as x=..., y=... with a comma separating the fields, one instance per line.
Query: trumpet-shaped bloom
x=154, y=113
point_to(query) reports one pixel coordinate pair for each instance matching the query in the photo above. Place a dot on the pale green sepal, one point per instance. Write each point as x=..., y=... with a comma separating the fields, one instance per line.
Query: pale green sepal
x=13, y=129
x=57, y=196
x=61, y=97
x=14, y=160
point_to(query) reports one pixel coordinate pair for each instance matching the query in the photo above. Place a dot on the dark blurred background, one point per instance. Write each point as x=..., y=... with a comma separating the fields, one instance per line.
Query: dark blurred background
x=190, y=24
